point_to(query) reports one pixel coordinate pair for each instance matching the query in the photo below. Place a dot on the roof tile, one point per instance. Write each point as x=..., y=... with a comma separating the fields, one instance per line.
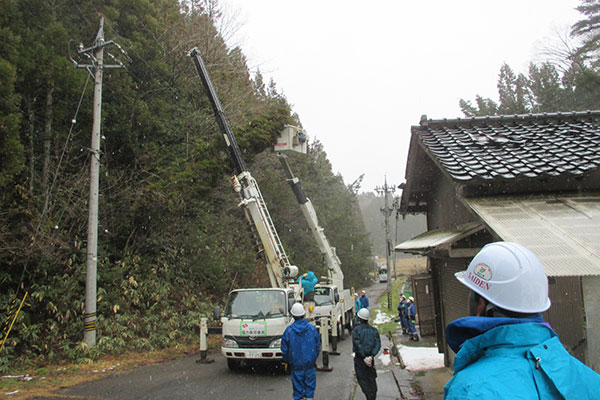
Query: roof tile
x=528, y=146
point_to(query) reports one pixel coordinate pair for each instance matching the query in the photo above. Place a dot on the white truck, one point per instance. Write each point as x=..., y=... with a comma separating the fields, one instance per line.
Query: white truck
x=331, y=299
x=254, y=319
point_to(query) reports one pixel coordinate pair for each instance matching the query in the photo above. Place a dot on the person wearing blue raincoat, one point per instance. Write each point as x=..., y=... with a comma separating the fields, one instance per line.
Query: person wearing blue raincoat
x=505, y=350
x=357, y=307
x=308, y=282
x=514, y=358
x=300, y=347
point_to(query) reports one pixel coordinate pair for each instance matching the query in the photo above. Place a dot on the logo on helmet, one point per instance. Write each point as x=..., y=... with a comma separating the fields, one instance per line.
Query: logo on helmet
x=483, y=271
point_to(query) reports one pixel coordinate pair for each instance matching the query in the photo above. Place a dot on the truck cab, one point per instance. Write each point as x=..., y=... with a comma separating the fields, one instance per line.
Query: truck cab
x=383, y=273
x=329, y=297
x=253, y=322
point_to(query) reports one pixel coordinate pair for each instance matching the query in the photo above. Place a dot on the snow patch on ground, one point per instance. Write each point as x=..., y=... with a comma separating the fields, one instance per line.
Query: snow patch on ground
x=385, y=359
x=381, y=318
x=421, y=358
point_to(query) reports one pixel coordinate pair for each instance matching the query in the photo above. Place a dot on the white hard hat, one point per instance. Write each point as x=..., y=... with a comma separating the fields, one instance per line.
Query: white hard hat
x=509, y=276
x=411, y=298
x=363, y=313
x=298, y=310
x=363, y=291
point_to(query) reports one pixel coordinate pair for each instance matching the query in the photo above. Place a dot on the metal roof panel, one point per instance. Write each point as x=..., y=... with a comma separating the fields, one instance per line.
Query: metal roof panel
x=425, y=242
x=563, y=231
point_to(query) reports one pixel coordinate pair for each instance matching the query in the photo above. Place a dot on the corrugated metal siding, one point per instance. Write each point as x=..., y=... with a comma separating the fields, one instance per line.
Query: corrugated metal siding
x=564, y=232
x=454, y=297
x=567, y=315
x=424, y=301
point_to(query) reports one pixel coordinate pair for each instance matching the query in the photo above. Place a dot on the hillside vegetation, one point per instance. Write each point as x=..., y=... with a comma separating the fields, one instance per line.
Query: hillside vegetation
x=172, y=240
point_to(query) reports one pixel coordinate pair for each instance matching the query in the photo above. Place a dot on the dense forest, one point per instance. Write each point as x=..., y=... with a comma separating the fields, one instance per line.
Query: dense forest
x=172, y=240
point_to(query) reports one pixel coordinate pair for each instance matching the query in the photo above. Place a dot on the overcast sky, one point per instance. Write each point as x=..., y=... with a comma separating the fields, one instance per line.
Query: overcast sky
x=359, y=74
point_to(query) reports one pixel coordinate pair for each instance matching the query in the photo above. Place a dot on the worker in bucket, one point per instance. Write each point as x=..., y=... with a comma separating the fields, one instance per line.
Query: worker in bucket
x=300, y=346
x=365, y=345
x=505, y=350
x=411, y=319
x=308, y=282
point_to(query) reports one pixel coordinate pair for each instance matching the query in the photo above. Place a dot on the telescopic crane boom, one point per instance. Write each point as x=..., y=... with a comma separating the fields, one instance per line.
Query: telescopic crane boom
x=278, y=265
x=294, y=140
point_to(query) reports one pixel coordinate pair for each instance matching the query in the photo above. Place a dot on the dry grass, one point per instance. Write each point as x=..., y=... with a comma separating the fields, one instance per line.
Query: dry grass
x=47, y=380
x=411, y=266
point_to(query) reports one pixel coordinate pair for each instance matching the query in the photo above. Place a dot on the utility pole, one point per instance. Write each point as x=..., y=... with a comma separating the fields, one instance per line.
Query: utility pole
x=396, y=206
x=95, y=54
x=386, y=190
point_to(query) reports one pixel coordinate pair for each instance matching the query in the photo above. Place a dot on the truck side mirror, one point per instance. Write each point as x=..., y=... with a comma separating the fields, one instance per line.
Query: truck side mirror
x=337, y=298
x=290, y=304
x=217, y=313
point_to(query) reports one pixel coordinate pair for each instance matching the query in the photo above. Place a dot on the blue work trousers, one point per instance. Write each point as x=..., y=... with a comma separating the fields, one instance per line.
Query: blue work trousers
x=304, y=382
x=404, y=323
x=366, y=377
x=412, y=330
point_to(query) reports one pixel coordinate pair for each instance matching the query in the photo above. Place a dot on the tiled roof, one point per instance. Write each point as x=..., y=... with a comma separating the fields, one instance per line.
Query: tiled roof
x=517, y=146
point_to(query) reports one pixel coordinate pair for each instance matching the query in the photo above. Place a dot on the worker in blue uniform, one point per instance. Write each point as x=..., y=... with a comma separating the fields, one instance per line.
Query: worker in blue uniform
x=411, y=317
x=505, y=350
x=402, y=314
x=365, y=345
x=364, y=300
x=357, y=307
x=308, y=282
x=300, y=347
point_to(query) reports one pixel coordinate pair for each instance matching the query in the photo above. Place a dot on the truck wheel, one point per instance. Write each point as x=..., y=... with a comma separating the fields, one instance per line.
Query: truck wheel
x=341, y=331
x=233, y=364
x=350, y=319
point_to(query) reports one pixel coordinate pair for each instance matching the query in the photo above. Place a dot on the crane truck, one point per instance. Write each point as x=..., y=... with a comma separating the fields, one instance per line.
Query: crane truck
x=254, y=319
x=331, y=299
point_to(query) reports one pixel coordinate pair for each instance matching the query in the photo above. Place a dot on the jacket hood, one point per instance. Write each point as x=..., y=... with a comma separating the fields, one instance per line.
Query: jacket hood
x=301, y=326
x=462, y=329
x=504, y=334
x=310, y=275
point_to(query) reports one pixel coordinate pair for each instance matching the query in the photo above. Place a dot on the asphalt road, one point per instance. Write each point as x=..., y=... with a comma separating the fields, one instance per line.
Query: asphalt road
x=184, y=378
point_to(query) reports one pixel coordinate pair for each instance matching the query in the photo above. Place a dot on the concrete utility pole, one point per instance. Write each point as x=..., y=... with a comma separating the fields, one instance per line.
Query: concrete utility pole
x=97, y=66
x=396, y=206
x=386, y=190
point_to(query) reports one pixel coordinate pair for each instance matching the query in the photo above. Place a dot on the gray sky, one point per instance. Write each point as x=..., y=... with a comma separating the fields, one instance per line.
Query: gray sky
x=359, y=74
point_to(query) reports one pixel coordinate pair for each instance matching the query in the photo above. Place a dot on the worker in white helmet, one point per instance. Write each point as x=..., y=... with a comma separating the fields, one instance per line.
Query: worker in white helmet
x=364, y=300
x=300, y=346
x=505, y=350
x=365, y=345
x=411, y=315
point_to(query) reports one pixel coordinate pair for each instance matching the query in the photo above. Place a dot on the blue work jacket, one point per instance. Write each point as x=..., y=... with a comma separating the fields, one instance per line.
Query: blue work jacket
x=510, y=358
x=300, y=345
x=411, y=310
x=401, y=306
x=308, y=283
x=365, y=341
x=364, y=302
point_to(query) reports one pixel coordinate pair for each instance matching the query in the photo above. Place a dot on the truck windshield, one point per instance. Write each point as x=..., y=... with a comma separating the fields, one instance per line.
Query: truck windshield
x=323, y=296
x=256, y=304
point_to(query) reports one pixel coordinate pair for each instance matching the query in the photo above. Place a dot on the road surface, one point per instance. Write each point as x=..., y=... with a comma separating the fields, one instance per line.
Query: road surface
x=184, y=378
